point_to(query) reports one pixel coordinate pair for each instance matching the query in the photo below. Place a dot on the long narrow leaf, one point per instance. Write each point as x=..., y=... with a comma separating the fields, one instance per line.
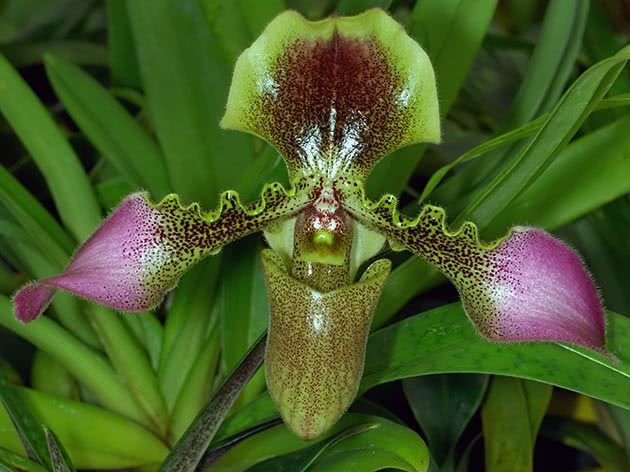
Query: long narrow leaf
x=26, y=425
x=110, y=128
x=193, y=444
x=53, y=155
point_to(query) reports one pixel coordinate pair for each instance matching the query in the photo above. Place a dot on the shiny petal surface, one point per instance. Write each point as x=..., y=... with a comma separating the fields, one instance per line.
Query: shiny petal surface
x=334, y=96
x=528, y=286
x=142, y=249
x=316, y=344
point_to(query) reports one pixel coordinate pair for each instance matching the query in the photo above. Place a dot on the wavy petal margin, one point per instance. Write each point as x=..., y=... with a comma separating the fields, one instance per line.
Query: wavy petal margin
x=142, y=249
x=528, y=286
x=334, y=96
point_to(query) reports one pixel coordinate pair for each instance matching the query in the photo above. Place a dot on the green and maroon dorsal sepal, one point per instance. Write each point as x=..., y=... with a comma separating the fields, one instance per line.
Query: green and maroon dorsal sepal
x=334, y=96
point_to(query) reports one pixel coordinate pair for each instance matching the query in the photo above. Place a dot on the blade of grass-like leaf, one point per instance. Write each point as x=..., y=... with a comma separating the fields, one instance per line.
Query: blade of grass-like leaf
x=559, y=128
x=587, y=438
x=198, y=386
x=537, y=397
x=551, y=62
x=5, y=467
x=35, y=219
x=302, y=459
x=600, y=42
x=109, y=127
x=53, y=155
x=244, y=308
x=123, y=59
x=188, y=320
x=258, y=14
x=556, y=51
x=58, y=456
x=112, y=191
x=621, y=417
x=443, y=340
x=186, y=85
x=443, y=405
x=20, y=462
x=511, y=416
x=230, y=31
x=84, y=363
x=26, y=425
x=401, y=442
x=80, y=52
x=94, y=437
x=575, y=183
x=50, y=376
x=449, y=29
x=193, y=444
x=153, y=335
x=455, y=29
x=132, y=364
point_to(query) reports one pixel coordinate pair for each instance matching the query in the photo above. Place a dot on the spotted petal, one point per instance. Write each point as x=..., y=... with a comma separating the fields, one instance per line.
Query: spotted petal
x=142, y=249
x=316, y=344
x=334, y=96
x=529, y=286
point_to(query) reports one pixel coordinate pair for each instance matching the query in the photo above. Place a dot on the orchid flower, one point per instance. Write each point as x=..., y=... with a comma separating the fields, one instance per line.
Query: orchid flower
x=333, y=97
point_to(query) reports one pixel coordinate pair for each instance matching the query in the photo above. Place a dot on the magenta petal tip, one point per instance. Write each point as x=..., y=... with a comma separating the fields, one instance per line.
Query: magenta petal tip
x=537, y=289
x=32, y=300
x=126, y=264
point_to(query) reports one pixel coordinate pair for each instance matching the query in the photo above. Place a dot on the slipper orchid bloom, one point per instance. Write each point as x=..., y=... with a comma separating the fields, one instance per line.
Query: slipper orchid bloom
x=333, y=97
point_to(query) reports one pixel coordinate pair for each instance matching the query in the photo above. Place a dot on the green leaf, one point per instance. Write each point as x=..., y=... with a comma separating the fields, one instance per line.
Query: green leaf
x=236, y=24
x=302, y=459
x=552, y=61
x=443, y=340
x=186, y=84
x=13, y=461
x=53, y=155
x=26, y=425
x=35, y=219
x=575, y=183
x=400, y=444
x=443, y=405
x=6, y=467
x=84, y=363
x=122, y=50
x=193, y=444
x=94, y=437
x=587, y=438
x=445, y=29
x=198, y=385
x=132, y=365
x=60, y=460
x=621, y=418
x=188, y=319
x=110, y=128
x=562, y=123
x=80, y=52
x=511, y=415
x=548, y=70
x=244, y=307
x=50, y=376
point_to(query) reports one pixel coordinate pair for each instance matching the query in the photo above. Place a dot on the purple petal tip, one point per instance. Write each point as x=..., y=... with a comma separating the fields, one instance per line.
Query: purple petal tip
x=539, y=290
x=32, y=300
